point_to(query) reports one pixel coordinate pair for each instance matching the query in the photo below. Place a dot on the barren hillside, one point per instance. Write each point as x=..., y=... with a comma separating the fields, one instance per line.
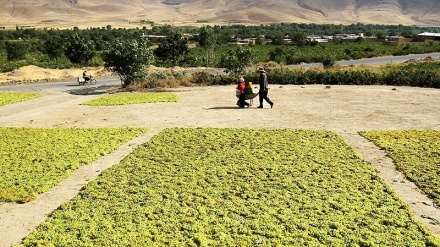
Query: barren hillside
x=125, y=13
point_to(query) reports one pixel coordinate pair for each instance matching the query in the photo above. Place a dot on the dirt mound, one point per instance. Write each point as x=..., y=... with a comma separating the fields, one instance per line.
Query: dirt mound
x=33, y=73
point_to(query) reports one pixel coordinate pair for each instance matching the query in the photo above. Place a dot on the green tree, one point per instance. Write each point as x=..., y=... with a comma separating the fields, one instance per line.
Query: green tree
x=79, y=50
x=259, y=40
x=408, y=34
x=299, y=38
x=380, y=35
x=277, y=38
x=173, y=48
x=54, y=47
x=127, y=58
x=236, y=60
x=278, y=55
x=16, y=50
x=208, y=40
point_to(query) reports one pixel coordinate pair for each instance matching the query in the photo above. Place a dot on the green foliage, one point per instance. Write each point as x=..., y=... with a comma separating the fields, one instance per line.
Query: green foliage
x=416, y=154
x=40, y=55
x=33, y=160
x=14, y=97
x=277, y=38
x=299, y=38
x=79, y=50
x=16, y=50
x=132, y=98
x=301, y=51
x=328, y=61
x=259, y=40
x=236, y=60
x=418, y=75
x=41, y=60
x=207, y=37
x=54, y=47
x=236, y=187
x=208, y=40
x=205, y=78
x=128, y=58
x=380, y=35
x=278, y=55
x=173, y=48
x=415, y=75
x=95, y=40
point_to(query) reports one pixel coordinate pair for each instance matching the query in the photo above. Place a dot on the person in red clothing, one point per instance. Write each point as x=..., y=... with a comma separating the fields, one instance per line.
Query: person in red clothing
x=242, y=99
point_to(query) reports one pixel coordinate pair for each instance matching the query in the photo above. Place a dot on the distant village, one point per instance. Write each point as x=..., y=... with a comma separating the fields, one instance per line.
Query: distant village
x=392, y=40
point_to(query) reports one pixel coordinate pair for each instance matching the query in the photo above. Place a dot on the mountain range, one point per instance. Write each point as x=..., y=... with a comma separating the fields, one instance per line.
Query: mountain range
x=129, y=13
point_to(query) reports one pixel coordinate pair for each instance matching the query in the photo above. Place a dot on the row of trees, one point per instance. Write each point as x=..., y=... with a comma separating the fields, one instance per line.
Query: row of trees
x=80, y=50
x=126, y=51
x=99, y=35
x=76, y=48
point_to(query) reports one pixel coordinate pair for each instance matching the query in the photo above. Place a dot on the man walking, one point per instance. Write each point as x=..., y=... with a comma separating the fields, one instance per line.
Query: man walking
x=263, y=88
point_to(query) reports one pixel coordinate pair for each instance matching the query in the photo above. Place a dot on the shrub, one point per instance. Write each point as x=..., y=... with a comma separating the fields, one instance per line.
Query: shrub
x=328, y=61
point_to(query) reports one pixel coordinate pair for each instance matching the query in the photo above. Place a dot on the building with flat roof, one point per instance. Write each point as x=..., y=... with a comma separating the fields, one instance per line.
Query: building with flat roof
x=429, y=36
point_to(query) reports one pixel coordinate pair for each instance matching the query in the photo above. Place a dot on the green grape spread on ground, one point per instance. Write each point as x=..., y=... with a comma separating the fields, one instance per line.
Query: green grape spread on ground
x=32, y=160
x=7, y=98
x=236, y=187
x=132, y=98
x=416, y=153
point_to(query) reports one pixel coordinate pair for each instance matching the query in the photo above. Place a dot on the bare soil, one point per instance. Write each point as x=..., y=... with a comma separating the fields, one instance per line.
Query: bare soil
x=130, y=13
x=32, y=73
x=343, y=109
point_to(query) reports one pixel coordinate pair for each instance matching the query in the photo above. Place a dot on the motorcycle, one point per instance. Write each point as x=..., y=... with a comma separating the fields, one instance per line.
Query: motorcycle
x=89, y=79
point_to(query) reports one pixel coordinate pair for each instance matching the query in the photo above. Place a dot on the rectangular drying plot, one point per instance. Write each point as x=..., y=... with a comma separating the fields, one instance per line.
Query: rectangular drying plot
x=33, y=160
x=236, y=187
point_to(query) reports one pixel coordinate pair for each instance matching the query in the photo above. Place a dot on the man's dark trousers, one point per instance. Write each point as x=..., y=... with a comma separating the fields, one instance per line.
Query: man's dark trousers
x=263, y=95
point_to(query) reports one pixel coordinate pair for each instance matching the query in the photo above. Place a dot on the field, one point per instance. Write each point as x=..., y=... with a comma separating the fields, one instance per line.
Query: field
x=293, y=175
